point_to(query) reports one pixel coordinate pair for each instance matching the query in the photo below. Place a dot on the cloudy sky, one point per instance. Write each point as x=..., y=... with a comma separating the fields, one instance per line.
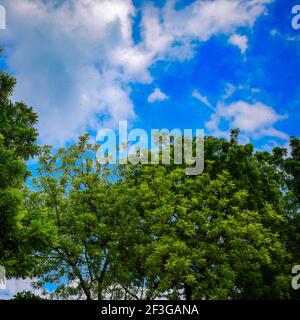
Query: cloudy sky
x=86, y=64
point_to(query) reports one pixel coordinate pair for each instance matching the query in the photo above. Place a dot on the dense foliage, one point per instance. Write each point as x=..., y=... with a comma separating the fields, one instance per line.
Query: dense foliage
x=17, y=144
x=26, y=295
x=146, y=231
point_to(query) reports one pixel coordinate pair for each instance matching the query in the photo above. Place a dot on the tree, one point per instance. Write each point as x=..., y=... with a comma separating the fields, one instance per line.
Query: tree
x=288, y=163
x=79, y=221
x=148, y=231
x=219, y=235
x=26, y=295
x=17, y=144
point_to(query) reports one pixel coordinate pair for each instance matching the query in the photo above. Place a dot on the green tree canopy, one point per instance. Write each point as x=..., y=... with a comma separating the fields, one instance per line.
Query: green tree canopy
x=79, y=221
x=17, y=144
x=148, y=231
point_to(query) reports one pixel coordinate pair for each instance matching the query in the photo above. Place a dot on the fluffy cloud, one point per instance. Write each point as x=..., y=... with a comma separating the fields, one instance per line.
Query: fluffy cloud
x=61, y=56
x=255, y=120
x=198, y=21
x=13, y=286
x=157, y=95
x=239, y=41
x=75, y=59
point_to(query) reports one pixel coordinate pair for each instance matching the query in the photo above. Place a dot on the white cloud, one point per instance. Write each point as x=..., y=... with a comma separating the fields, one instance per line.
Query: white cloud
x=254, y=120
x=61, y=56
x=203, y=99
x=239, y=41
x=198, y=21
x=157, y=95
x=75, y=61
x=229, y=91
x=13, y=286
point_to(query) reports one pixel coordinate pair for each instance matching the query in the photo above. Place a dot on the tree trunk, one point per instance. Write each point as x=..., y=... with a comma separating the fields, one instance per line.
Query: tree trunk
x=188, y=291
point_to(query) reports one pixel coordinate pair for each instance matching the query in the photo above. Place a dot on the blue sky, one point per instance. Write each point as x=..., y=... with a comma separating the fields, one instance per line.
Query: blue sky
x=85, y=65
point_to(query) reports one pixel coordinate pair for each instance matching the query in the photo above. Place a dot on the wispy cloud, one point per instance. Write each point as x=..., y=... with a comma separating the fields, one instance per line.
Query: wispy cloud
x=196, y=94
